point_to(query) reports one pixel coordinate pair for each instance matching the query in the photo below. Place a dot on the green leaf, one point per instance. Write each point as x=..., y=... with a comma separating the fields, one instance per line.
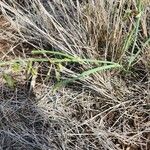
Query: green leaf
x=16, y=67
x=9, y=80
x=85, y=74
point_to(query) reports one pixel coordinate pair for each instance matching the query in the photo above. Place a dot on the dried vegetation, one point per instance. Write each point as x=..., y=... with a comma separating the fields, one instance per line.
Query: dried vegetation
x=105, y=105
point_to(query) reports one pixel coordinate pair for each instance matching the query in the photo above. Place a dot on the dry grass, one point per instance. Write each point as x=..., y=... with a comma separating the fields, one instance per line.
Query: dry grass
x=107, y=110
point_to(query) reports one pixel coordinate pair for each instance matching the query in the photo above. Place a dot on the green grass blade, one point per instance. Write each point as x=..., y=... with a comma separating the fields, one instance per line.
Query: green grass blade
x=86, y=74
x=68, y=58
x=136, y=29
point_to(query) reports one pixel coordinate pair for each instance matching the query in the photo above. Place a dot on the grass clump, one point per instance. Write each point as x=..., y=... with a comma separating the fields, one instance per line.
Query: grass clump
x=76, y=76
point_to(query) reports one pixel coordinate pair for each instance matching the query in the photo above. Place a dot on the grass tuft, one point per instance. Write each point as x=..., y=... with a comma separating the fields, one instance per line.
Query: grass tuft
x=74, y=75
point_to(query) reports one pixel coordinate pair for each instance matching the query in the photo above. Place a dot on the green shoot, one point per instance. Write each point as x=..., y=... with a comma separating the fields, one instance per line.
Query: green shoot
x=85, y=74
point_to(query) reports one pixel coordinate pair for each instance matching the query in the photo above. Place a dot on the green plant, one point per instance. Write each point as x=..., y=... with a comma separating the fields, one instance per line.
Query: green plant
x=132, y=37
x=102, y=65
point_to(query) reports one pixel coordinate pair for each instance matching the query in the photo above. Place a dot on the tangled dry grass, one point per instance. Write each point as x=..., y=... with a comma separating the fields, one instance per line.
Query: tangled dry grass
x=107, y=110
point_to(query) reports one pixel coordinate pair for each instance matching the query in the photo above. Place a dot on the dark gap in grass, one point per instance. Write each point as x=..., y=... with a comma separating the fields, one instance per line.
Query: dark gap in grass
x=137, y=73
